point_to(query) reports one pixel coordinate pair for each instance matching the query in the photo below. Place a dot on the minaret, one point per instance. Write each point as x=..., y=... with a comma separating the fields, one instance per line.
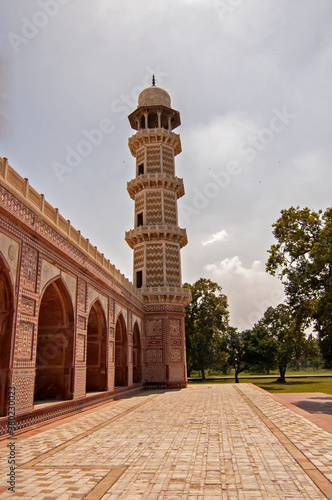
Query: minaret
x=156, y=238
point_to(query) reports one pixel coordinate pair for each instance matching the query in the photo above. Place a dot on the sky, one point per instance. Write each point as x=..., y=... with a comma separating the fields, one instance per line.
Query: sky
x=252, y=81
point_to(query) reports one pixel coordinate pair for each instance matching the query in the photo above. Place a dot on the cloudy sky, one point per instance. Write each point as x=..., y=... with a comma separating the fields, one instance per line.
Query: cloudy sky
x=252, y=81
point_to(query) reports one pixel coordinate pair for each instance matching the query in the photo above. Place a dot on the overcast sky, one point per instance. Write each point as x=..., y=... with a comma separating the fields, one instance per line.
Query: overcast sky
x=252, y=81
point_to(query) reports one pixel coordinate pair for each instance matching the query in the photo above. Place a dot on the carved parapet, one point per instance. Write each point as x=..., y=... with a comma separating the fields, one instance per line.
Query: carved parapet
x=164, y=232
x=154, y=136
x=166, y=295
x=41, y=217
x=155, y=181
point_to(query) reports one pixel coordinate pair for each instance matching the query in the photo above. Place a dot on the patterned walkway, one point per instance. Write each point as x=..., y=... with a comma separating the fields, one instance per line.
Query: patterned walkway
x=220, y=441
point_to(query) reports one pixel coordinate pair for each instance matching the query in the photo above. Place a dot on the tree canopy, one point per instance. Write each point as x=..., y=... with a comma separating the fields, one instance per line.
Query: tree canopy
x=302, y=258
x=206, y=319
x=236, y=348
x=282, y=326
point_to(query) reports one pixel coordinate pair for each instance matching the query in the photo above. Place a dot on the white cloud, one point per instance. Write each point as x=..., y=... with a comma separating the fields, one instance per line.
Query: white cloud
x=250, y=291
x=221, y=235
x=219, y=139
x=234, y=265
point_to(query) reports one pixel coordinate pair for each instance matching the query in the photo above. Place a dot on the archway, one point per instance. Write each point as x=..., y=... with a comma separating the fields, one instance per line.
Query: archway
x=164, y=120
x=152, y=120
x=55, y=341
x=96, y=361
x=6, y=326
x=137, y=356
x=121, y=356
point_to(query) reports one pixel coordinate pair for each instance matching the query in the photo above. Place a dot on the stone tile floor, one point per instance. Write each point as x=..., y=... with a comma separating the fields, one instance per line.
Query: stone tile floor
x=214, y=441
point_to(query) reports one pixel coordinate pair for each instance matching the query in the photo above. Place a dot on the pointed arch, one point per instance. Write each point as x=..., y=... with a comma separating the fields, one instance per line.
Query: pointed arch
x=152, y=120
x=55, y=343
x=137, y=355
x=164, y=120
x=6, y=332
x=96, y=359
x=121, y=352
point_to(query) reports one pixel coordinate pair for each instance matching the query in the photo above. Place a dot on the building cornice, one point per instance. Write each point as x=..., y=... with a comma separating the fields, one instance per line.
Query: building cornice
x=153, y=233
x=154, y=136
x=155, y=181
x=44, y=215
x=166, y=295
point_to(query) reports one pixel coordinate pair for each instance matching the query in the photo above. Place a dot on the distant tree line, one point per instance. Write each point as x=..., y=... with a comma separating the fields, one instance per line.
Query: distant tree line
x=302, y=259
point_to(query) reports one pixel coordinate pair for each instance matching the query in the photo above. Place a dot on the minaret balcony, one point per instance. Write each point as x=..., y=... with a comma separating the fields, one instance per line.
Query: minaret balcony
x=166, y=294
x=147, y=136
x=160, y=232
x=155, y=181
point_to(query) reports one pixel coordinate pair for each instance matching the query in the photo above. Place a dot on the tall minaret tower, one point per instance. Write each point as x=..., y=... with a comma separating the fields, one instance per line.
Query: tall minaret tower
x=157, y=239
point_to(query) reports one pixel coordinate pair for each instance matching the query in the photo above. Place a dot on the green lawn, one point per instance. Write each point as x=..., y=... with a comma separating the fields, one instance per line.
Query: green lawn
x=290, y=371
x=309, y=384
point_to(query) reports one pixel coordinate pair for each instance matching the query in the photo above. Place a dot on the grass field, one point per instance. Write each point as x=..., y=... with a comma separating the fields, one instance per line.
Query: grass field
x=307, y=384
x=290, y=371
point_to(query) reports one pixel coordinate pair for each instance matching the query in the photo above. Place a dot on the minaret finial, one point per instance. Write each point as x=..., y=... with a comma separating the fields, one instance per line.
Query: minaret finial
x=153, y=81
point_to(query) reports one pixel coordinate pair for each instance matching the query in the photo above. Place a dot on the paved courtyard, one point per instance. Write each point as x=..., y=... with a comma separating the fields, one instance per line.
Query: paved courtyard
x=221, y=441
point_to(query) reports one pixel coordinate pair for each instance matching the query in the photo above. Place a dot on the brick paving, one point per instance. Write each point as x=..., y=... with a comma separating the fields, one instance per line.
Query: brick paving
x=221, y=441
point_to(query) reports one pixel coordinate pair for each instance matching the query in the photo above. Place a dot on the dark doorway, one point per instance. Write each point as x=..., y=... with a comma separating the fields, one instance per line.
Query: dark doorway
x=121, y=354
x=55, y=344
x=96, y=363
x=137, y=356
x=6, y=326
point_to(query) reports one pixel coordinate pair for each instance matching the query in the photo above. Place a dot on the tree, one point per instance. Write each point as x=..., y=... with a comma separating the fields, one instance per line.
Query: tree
x=311, y=353
x=261, y=350
x=302, y=259
x=206, y=319
x=282, y=326
x=236, y=347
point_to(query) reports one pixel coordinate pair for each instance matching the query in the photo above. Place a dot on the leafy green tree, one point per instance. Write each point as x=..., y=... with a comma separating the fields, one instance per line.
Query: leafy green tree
x=236, y=348
x=220, y=360
x=206, y=319
x=311, y=352
x=302, y=258
x=288, y=335
x=261, y=350
x=250, y=350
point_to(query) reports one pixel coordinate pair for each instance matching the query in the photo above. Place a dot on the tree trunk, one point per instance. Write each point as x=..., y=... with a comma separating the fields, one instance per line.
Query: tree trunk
x=203, y=373
x=236, y=377
x=282, y=371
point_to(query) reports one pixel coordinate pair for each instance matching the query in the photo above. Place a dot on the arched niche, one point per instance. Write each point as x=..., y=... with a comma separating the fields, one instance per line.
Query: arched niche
x=96, y=360
x=55, y=344
x=164, y=120
x=121, y=353
x=152, y=120
x=6, y=328
x=137, y=355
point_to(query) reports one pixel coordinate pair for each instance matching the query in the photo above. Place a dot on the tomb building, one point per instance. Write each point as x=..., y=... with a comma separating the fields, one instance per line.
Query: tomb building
x=74, y=331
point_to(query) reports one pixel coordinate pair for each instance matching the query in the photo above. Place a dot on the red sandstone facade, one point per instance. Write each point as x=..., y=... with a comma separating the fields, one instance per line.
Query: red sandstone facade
x=73, y=329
